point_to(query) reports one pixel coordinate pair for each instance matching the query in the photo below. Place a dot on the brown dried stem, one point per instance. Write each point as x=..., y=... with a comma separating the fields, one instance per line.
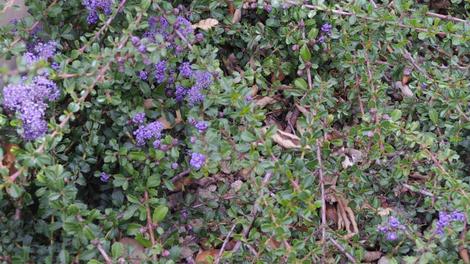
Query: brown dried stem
x=341, y=248
x=323, y=200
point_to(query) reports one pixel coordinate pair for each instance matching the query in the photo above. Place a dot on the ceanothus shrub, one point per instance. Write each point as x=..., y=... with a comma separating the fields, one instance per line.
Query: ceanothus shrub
x=151, y=131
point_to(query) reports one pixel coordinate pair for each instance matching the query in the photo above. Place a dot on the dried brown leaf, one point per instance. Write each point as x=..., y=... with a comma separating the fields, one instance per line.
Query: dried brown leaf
x=206, y=24
x=287, y=140
x=371, y=256
x=237, y=16
x=264, y=101
x=207, y=256
x=9, y=158
x=136, y=254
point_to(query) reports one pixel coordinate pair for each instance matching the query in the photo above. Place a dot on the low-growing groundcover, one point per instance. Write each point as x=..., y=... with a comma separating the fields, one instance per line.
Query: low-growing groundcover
x=148, y=131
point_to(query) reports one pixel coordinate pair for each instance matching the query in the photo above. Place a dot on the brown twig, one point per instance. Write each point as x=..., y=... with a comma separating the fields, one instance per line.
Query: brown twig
x=103, y=253
x=413, y=189
x=149, y=219
x=221, y=251
x=323, y=200
x=463, y=252
x=254, y=211
x=346, y=13
x=447, y=17
x=7, y=5
x=341, y=248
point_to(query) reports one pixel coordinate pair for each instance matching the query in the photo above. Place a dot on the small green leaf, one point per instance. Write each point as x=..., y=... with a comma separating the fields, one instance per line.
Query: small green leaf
x=159, y=213
x=145, y=4
x=117, y=249
x=73, y=107
x=15, y=191
x=395, y=115
x=137, y=155
x=305, y=53
x=153, y=181
x=301, y=84
x=248, y=136
x=433, y=116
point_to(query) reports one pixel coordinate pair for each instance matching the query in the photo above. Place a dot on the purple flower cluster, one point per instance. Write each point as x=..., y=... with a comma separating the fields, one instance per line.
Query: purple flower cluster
x=445, y=219
x=143, y=75
x=202, y=80
x=183, y=26
x=180, y=93
x=197, y=160
x=201, y=126
x=146, y=132
x=391, y=228
x=94, y=7
x=157, y=25
x=138, y=118
x=326, y=28
x=185, y=70
x=326, y=31
x=160, y=70
x=40, y=51
x=104, y=177
x=29, y=101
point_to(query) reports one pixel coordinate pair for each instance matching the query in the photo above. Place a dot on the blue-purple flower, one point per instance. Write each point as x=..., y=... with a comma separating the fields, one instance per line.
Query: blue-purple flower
x=95, y=6
x=138, y=118
x=160, y=70
x=326, y=28
x=143, y=75
x=146, y=132
x=40, y=51
x=445, y=219
x=197, y=160
x=391, y=228
x=201, y=126
x=183, y=26
x=104, y=177
x=29, y=101
x=185, y=70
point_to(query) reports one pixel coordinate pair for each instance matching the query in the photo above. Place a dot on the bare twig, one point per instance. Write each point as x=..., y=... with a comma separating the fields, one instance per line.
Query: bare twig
x=341, y=248
x=451, y=18
x=463, y=252
x=7, y=5
x=323, y=201
x=254, y=211
x=221, y=251
x=346, y=13
x=103, y=253
x=413, y=189
x=149, y=219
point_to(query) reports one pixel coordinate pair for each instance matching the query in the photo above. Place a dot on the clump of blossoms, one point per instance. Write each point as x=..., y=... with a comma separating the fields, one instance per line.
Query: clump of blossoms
x=325, y=32
x=197, y=160
x=40, y=51
x=104, y=177
x=138, y=118
x=148, y=131
x=94, y=7
x=391, y=228
x=446, y=218
x=29, y=101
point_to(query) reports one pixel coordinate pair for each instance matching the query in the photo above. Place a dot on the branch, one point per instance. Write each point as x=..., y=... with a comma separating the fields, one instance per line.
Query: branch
x=346, y=13
x=221, y=251
x=7, y=5
x=254, y=211
x=341, y=248
x=413, y=189
x=103, y=253
x=323, y=201
x=149, y=219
